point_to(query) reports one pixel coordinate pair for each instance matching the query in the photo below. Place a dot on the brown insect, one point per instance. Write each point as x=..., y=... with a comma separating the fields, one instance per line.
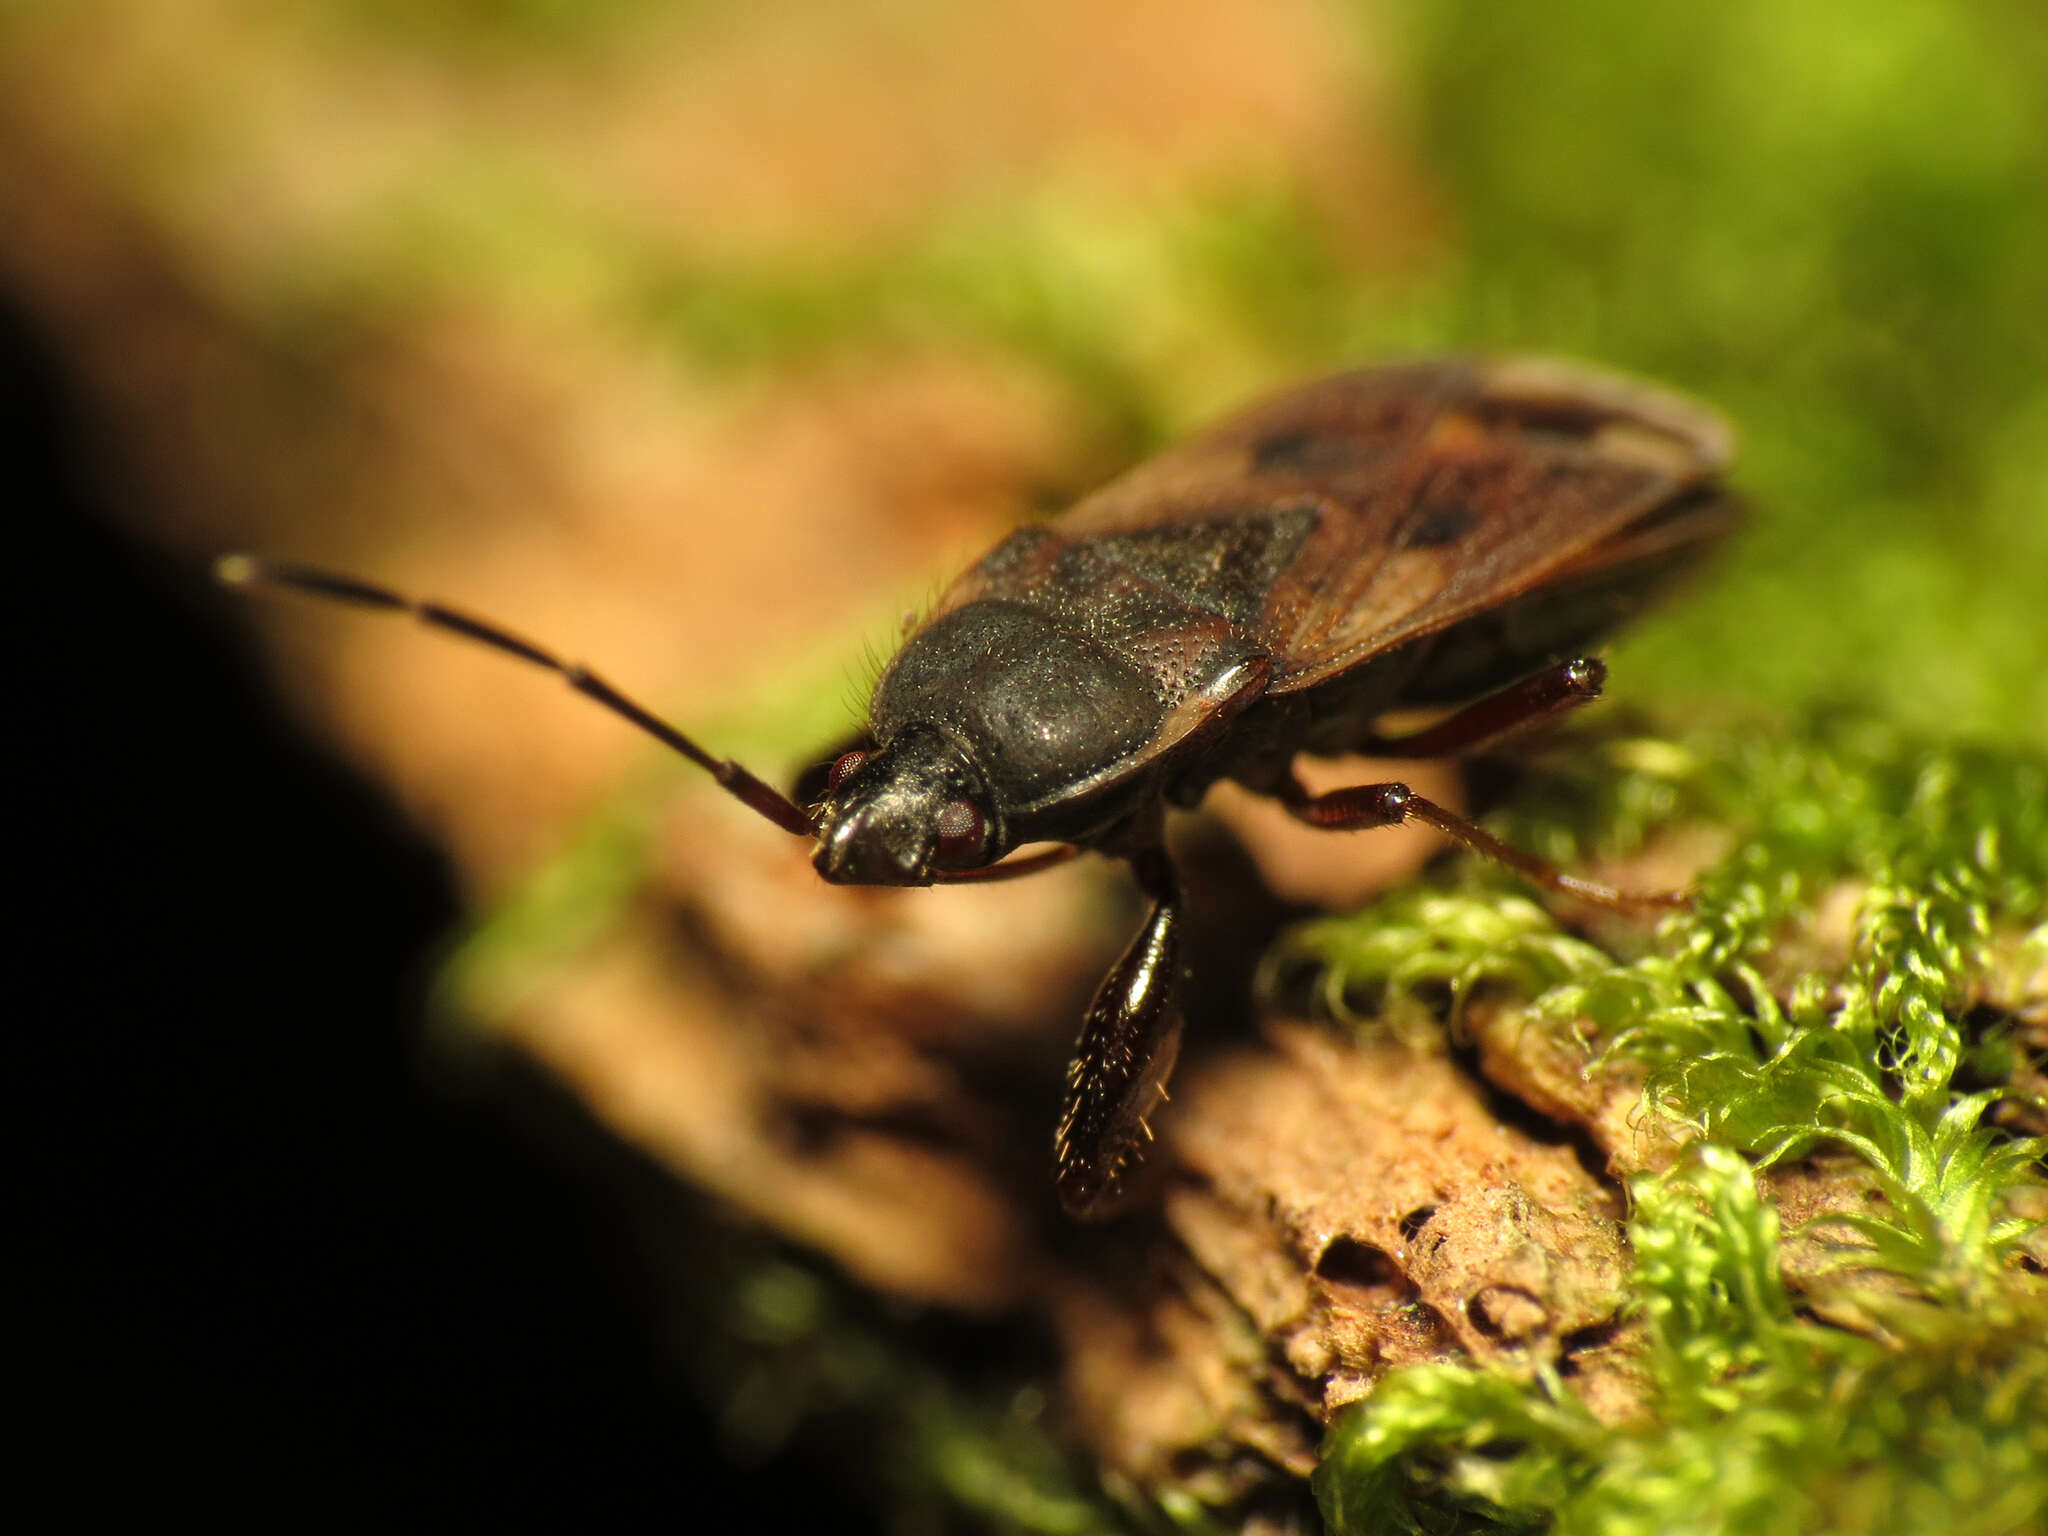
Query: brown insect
x=1445, y=533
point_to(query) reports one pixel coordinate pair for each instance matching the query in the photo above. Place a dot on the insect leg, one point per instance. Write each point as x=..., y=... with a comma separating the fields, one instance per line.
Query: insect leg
x=1129, y=1040
x=1550, y=692
x=1388, y=805
x=757, y=794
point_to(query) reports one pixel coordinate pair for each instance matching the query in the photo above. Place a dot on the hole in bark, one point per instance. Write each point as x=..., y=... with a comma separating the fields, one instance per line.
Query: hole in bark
x=1439, y=1326
x=1413, y=1223
x=1981, y=1019
x=1347, y=1261
x=1414, y=1330
x=1506, y=1312
x=1584, y=1341
x=806, y=1130
x=1362, y=1275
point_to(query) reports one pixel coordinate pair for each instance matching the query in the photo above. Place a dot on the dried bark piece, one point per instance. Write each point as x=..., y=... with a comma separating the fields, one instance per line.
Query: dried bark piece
x=1172, y=1390
x=1345, y=1208
x=1417, y=1222
x=1824, y=1261
x=662, y=1061
x=1551, y=1070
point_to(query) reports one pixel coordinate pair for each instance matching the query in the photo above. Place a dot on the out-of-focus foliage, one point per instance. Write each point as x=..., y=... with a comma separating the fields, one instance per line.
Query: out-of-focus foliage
x=1826, y=217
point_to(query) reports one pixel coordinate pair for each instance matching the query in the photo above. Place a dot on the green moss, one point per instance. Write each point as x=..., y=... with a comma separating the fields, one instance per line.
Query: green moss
x=1758, y=1422
x=1422, y=948
x=1760, y=1419
x=1943, y=850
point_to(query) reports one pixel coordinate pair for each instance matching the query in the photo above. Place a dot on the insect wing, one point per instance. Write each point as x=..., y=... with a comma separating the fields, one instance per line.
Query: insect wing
x=1383, y=505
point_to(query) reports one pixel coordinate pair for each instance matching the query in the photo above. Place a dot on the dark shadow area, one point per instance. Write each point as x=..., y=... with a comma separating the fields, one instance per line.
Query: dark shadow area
x=257, y=1255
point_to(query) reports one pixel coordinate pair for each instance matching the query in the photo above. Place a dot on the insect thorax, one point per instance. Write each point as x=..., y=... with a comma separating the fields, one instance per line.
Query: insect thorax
x=1040, y=708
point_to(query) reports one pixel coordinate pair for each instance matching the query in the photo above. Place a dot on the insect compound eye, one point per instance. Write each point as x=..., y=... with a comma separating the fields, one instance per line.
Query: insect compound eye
x=960, y=830
x=844, y=769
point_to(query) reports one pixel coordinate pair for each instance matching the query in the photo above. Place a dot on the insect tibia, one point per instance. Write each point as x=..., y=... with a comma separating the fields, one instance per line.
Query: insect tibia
x=1387, y=805
x=1127, y=1048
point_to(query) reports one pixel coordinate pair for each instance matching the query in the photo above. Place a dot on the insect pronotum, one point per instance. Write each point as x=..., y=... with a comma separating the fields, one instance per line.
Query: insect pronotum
x=1448, y=533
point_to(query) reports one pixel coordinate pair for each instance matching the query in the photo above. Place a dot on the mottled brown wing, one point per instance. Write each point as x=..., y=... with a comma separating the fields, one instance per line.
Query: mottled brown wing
x=1423, y=493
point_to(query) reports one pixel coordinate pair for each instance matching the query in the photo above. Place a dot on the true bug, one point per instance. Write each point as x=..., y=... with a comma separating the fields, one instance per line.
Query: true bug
x=1446, y=533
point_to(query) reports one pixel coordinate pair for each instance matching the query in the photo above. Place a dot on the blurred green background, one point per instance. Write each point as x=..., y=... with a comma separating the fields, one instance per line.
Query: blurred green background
x=1830, y=219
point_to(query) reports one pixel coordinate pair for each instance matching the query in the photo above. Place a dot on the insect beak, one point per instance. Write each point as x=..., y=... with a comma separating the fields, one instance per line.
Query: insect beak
x=881, y=825
x=853, y=849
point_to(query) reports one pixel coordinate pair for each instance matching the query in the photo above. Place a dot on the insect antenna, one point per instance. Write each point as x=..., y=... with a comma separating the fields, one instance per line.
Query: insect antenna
x=756, y=793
